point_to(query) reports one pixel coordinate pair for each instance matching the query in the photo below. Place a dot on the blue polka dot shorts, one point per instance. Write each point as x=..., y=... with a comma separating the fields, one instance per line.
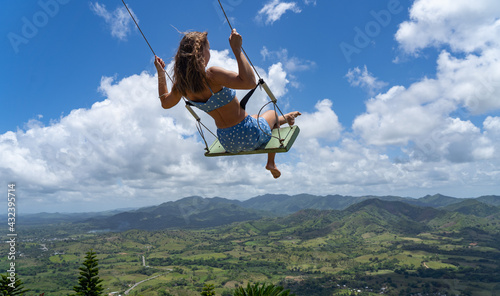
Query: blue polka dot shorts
x=245, y=136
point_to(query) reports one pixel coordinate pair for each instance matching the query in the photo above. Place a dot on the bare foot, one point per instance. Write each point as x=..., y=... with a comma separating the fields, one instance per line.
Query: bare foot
x=290, y=117
x=274, y=171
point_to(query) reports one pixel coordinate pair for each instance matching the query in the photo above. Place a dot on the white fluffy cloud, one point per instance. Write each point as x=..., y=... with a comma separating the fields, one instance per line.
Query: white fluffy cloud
x=470, y=75
x=492, y=125
x=119, y=20
x=365, y=80
x=472, y=81
x=322, y=124
x=273, y=10
x=465, y=26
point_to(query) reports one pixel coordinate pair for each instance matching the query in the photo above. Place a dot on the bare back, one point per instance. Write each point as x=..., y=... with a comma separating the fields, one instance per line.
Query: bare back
x=226, y=116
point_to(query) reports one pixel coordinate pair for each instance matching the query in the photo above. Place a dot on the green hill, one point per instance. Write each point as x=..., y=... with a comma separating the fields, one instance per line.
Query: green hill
x=473, y=207
x=379, y=216
x=493, y=200
x=286, y=204
x=369, y=216
x=189, y=212
x=399, y=217
x=435, y=201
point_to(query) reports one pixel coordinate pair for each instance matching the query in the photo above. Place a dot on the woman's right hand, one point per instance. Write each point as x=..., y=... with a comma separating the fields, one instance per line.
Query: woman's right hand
x=159, y=64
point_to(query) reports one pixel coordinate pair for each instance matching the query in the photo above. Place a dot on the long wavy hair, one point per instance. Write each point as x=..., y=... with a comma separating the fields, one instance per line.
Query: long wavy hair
x=189, y=68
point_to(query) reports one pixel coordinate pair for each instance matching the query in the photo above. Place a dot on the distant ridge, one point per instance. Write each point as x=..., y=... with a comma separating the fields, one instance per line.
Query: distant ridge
x=189, y=212
x=399, y=209
x=473, y=207
x=286, y=204
x=435, y=201
x=493, y=200
x=55, y=218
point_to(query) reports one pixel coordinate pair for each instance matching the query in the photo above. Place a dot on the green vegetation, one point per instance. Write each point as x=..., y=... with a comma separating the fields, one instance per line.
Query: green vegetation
x=89, y=283
x=11, y=285
x=208, y=290
x=370, y=247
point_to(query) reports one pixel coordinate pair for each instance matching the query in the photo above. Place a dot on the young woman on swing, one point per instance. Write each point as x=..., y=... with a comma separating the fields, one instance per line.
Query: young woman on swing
x=212, y=90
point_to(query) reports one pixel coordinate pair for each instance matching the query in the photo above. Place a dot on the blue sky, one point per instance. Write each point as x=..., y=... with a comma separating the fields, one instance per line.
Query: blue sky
x=398, y=98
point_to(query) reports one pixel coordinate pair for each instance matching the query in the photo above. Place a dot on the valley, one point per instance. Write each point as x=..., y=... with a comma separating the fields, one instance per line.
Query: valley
x=371, y=247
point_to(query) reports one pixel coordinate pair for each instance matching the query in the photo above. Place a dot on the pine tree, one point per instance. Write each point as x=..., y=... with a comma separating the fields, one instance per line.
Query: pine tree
x=258, y=290
x=208, y=290
x=9, y=288
x=89, y=283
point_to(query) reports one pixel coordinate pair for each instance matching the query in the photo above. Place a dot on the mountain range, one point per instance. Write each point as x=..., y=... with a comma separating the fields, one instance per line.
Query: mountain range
x=405, y=214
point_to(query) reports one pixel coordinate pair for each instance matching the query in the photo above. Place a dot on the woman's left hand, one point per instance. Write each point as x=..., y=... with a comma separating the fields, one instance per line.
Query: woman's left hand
x=235, y=40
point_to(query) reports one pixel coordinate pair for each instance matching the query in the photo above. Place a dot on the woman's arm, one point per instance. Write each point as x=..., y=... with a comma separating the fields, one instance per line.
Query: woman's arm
x=168, y=100
x=245, y=71
x=245, y=78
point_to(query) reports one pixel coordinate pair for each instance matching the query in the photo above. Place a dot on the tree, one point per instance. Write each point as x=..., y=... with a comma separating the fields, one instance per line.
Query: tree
x=258, y=290
x=208, y=290
x=11, y=288
x=89, y=283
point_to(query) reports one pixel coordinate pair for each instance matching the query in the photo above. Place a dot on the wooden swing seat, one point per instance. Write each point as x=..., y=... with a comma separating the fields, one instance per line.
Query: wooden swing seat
x=288, y=134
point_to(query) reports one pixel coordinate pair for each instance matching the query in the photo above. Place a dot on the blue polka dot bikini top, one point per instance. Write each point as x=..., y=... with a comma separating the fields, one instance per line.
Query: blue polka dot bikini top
x=217, y=100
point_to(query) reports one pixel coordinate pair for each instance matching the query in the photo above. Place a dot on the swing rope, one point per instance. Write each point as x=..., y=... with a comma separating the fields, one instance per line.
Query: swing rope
x=261, y=83
x=139, y=28
x=242, y=49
